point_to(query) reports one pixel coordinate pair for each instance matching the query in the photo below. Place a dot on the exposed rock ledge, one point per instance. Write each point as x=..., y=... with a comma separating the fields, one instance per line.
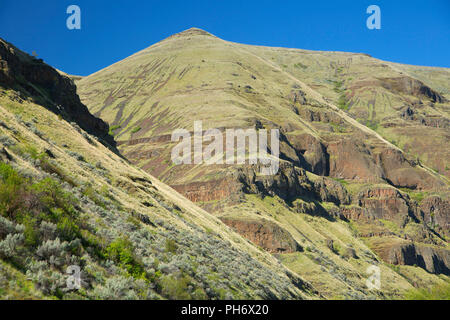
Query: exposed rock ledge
x=434, y=260
x=264, y=233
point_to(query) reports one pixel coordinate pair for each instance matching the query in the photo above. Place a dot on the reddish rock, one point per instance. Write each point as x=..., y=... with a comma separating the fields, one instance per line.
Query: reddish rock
x=356, y=213
x=350, y=159
x=384, y=203
x=403, y=173
x=436, y=211
x=410, y=86
x=210, y=190
x=264, y=233
x=315, y=157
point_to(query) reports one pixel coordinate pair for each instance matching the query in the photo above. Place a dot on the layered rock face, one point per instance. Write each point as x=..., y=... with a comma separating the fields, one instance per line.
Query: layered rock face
x=265, y=234
x=384, y=203
x=436, y=211
x=32, y=78
x=210, y=191
x=410, y=86
x=406, y=253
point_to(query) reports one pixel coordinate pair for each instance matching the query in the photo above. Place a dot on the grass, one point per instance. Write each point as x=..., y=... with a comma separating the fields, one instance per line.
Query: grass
x=300, y=65
x=437, y=292
x=415, y=195
x=113, y=128
x=338, y=128
x=136, y=129
x=391, y=226
x=45, y=162
x=341, y=181
x=93, y=194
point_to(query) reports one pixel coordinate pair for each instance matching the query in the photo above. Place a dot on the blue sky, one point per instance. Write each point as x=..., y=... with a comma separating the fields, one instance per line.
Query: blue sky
x=412, y=32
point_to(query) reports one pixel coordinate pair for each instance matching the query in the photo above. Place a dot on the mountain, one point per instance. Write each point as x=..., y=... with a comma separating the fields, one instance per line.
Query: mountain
x=363, y=173
x=87, y=180
x=69, y=201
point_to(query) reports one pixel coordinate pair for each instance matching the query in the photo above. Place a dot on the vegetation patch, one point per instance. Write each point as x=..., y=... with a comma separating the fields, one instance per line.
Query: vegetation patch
x=437, y=292
x=113, y=128
x=136, y=129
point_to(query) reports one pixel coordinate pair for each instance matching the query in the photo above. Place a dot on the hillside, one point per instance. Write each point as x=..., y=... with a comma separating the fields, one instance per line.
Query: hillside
x=68, y=199
x=363, y=176
x=364, y=143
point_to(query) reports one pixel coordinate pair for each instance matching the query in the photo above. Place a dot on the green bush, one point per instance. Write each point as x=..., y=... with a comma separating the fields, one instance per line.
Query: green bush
x=11, y=185
x=30, y=233
x=300, y=65
x=342, y=102
x=121, y=251
x=175, y=288
x=31, y=203
x=171, y=246
x=53, y=196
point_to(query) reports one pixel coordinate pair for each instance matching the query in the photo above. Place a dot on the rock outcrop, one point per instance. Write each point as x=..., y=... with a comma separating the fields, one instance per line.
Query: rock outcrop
x=411, y=86
x=265, y=234
x=46, y=86
x=384, y=203
x=436, y=211
x=434, y=260
x=212, y=190
x=353, y=160
x=405, y=173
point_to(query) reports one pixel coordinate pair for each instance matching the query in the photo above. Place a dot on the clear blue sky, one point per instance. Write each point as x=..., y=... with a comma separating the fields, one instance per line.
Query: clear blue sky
x=413, y=32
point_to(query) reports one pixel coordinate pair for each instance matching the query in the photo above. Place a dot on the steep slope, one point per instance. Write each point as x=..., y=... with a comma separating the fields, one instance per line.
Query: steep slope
x=346, y=196
x=68, y=200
